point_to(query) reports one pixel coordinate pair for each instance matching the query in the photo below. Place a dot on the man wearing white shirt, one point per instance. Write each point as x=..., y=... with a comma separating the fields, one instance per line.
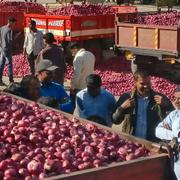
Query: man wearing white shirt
x=170, y=128
x=83, y=65
x=33, y=44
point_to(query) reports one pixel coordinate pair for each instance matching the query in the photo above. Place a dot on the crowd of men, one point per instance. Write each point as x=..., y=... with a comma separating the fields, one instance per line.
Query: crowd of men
x=142, y=112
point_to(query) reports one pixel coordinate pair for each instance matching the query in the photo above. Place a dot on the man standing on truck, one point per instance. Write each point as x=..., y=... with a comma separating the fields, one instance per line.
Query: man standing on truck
x=6, y=42
x=83, y=65
x=142, y=109
x=33, y=44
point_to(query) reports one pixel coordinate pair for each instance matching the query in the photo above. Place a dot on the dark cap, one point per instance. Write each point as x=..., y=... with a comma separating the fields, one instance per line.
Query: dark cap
x=93, y=80
x=32, y=22
x=74, y=45
x=45, y=64
x=177, y=89
x=49, y=37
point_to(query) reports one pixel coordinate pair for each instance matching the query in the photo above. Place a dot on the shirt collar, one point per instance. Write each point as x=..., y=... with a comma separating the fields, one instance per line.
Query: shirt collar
x=177, y=110
x=142, y=97
x=45, y=85
x=101, y=92
x=81, y=50
x=50, y=45
x=77, y=54
x=7, y=25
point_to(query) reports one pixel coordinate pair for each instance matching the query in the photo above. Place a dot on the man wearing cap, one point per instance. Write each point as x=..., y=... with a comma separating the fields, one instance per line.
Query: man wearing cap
x=6, y=43
x=55, y=55
x=169, y=128
x=83, y=65
x=45, y=70
x=33, y=44
x=94, y=102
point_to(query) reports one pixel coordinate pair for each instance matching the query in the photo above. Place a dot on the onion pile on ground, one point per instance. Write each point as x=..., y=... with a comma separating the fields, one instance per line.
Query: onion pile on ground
x=167, y=19
x=115, y=74
x=116, y=78
x=38, y=143
x=20, y=66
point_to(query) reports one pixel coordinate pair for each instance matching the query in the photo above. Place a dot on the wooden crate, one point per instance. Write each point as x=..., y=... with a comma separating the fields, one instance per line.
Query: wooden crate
x=154, y=167
x=157, y=166
x=150, y=168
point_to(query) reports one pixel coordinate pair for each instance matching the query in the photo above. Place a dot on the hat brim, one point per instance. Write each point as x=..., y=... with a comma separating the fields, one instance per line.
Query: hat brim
x=52, y=68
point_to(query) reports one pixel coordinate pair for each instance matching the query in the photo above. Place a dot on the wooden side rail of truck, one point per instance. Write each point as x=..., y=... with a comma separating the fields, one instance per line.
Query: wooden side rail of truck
x=155, y=48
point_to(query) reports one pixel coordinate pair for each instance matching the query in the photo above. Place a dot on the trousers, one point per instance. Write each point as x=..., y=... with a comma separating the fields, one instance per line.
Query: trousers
x=6, y=58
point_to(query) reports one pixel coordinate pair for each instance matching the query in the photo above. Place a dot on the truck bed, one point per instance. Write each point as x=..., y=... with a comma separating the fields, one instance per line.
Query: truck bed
x=155, y=39
x=75, y=28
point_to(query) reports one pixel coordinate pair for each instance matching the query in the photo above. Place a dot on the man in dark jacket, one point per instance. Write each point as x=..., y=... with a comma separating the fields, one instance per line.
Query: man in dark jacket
x=53, y=53
x=142, y=109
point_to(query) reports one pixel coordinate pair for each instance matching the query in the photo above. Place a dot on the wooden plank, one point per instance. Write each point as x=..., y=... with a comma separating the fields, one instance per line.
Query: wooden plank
x=151, y=168
x=146, y=37
x=168, y=40
x=125, y=35
x=146, y=26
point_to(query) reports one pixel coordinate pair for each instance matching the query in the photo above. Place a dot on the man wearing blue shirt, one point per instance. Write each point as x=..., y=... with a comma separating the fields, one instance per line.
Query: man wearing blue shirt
x=140, y=110
x=170, y=128
x=95, y=103
x=48, y=88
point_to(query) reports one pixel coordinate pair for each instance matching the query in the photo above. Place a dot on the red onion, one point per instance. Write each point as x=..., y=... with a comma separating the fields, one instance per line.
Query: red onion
x=34, y=148
x=80, y=10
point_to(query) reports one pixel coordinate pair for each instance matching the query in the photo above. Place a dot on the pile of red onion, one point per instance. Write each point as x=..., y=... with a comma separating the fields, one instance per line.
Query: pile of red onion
x=116, y=78
x=20, y=66
x=22, y=7
x=82, y=10
x=168, y=19
x=36, y=143
x=115, y=74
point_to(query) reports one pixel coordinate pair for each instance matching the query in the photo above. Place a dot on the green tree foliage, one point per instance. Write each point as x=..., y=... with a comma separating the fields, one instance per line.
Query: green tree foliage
x=168, y=3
